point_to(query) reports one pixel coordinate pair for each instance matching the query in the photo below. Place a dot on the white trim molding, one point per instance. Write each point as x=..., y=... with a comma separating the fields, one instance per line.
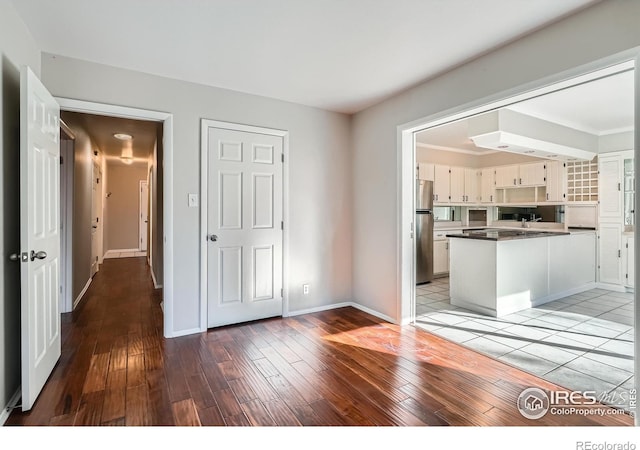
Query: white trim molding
x=205, y=124
x=13, y=401
x=82, y=292
x=104, y=109
x=342, y=305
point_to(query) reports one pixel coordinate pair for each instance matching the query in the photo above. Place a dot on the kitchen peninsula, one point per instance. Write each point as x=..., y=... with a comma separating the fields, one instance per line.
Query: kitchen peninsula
x=513, y=269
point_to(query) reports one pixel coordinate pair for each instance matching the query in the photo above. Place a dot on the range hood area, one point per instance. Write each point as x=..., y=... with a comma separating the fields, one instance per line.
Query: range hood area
x=510, y=131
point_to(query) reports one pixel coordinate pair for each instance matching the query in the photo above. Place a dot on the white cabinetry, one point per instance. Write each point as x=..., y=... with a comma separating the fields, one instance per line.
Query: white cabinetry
x=531, y=174
x=610, y=253
x=441, y=189
x=556, y=174
x=610, y=185
x=440, y=252
x=582, y=180
x=471, y=185
x=487, y=185
x=456, y=181
x=506, y=176
x=615, y=267
x=426, y=171
x=440, y=257
x=628, y=261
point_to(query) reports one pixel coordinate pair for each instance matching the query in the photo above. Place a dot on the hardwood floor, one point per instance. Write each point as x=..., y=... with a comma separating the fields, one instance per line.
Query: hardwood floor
x=341, y=367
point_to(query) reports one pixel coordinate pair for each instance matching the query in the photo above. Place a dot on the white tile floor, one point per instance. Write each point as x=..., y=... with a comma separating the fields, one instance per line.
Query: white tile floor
x=581, y=342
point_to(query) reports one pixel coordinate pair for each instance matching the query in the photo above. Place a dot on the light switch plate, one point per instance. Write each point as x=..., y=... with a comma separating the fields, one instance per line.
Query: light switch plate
x=193, y=200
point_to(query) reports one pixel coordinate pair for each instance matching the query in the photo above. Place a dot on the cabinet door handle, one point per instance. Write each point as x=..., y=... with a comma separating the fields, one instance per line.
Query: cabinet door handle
x=619, y=255
x=514, y=182
x=547, y=196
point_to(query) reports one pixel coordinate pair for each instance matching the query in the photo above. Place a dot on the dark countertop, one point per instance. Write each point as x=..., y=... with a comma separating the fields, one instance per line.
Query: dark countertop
x=497, y=234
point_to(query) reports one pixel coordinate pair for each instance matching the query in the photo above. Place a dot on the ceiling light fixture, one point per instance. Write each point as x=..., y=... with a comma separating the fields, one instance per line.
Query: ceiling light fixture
x=127, y=153
x=123, y=136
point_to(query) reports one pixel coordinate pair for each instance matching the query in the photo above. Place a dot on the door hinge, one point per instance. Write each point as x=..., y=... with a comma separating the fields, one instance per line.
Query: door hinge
x=282, y=157
x=281, y=292
x=619, y=253
x=282, y=225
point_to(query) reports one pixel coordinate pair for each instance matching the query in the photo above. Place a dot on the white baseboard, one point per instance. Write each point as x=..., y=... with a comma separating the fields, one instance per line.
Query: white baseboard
x=118, y=252
x=155, y=282
x=6, y=411
x=341, y=305
x=84, y=291
x=611, y=287
x=186, y=332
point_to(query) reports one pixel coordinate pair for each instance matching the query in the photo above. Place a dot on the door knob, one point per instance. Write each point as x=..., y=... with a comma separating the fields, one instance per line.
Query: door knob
x=213, y=238
x=39, y=255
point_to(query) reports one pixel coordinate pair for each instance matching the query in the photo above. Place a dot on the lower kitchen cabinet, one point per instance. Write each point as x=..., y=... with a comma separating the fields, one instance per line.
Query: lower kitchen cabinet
x=610, y=253
x=440, y=257
x=628, y=261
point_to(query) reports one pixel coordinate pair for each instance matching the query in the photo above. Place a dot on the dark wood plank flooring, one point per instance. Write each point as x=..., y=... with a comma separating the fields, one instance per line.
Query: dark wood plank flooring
x=341, y=367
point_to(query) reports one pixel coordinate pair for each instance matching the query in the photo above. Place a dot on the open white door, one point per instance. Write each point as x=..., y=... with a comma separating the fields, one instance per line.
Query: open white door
x=39, y=234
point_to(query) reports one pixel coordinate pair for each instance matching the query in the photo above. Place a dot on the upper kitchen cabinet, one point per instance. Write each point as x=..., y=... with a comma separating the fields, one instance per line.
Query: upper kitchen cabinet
x=532, y=174
x=610, y=181
x=426, y=171
x=456, y=183
x=441, y=186
x=487, y=185
x=471, y=185
x=507, y=176
x=520, y=175
x=556, y=181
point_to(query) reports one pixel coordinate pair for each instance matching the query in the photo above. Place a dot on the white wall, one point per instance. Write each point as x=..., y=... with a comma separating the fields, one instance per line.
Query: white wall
x=17, y=47
x=319, y=166
x=602, y=30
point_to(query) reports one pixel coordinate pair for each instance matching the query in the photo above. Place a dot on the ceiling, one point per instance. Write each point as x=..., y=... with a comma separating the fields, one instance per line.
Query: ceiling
x=102, y=128
x=600, y=107
x=333, y=54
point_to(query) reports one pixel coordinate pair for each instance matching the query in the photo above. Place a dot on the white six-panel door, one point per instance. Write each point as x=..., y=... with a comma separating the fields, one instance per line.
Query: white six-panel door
x=39, y=234
x=244, y=253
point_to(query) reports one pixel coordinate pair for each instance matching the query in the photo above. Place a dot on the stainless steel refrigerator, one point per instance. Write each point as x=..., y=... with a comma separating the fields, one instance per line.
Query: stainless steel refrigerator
x=424, y=231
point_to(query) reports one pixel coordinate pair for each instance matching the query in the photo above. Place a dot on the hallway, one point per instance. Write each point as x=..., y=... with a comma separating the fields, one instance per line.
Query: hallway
x=340, y=367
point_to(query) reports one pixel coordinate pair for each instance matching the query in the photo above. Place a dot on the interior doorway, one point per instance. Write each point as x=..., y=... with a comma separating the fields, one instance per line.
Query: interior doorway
x=555, y=339
x=111, y=161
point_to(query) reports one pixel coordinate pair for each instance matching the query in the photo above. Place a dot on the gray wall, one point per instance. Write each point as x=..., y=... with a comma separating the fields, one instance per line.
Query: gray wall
x=17, y=48
x=597, y=32
x=82, y=198
x=123, y=182
x=319, y=174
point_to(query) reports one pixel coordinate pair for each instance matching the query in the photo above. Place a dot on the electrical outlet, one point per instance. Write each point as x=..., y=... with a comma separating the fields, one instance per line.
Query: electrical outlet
x=305, y=289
